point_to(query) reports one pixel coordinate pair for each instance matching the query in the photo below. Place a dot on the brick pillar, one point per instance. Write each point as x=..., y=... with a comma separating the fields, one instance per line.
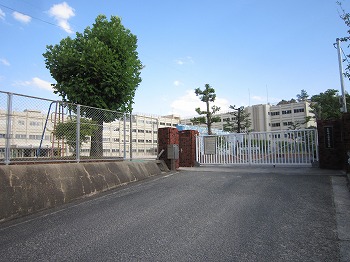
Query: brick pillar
x=331, y=144
x=346, y=138
x=167, y=136
x=187, y=146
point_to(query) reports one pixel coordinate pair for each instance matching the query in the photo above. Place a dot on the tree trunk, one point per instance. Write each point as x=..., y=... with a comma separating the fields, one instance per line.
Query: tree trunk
x=96, y=149
x=208, y=118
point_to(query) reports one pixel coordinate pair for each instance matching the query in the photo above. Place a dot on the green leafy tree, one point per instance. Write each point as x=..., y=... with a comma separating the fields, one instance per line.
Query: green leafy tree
x=68, y=131
x=241, y=120
x=303, y=96
x=297, y=125
x=284, y=102
x=327, y=105
x=207, y=95
x=99, y=68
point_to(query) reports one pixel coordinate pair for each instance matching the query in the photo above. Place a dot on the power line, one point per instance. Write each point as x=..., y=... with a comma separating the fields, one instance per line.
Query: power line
x=36, y=18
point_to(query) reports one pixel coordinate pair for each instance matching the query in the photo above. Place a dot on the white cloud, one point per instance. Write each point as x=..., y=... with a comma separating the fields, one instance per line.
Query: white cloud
x=62, y=13
x=185, y=105
x=35, y=82
x=4, y=62
x=2, y=15
x=184, y=60
x=41, y=83
x=177, y=83
x=21, y=17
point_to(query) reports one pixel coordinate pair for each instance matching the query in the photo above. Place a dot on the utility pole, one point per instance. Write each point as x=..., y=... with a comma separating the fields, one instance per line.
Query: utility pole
x=341, y=77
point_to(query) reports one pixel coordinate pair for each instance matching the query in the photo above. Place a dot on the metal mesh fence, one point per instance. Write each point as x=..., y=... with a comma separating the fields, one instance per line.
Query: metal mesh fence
x=36, y=129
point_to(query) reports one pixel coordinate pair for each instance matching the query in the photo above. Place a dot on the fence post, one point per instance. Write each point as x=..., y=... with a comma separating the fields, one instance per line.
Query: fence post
x=8, y=128
x=249, y=148
x=316, y=145
x=124, y=133
x=130, y=135
x=77, y=149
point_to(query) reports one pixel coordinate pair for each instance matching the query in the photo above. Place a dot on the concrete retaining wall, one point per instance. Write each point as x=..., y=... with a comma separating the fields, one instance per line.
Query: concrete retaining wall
x=25, y=189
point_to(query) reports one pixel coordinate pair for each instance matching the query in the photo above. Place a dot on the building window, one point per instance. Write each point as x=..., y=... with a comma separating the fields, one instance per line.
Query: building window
x=21, y=122
x=20, y=136
x=285, y=112
x=275, y=113
x=141, y=140
x=299, y=110
x=33, y=123
x=287, y=123
x=275, y=124
x=35, y=137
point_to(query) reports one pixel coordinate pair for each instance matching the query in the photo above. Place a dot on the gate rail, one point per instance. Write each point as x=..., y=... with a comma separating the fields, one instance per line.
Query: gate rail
x=292, y=147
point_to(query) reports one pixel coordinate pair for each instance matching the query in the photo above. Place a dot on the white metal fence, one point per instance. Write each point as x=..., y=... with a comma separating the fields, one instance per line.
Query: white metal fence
x=293, y=147
x=37, y=129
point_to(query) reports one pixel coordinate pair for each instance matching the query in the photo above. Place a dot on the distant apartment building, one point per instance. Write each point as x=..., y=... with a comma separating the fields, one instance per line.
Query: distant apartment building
x=26, y=133
x=266, y=117
x=291, y=116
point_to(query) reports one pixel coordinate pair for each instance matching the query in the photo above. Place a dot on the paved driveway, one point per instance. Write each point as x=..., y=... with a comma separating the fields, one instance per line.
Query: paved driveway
x=197, y=214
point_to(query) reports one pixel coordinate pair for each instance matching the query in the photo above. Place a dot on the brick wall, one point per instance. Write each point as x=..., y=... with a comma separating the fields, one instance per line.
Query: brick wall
x=167, y=136
x=187, y=140
x=334, y=142
x=346, y=138
x=187, y=146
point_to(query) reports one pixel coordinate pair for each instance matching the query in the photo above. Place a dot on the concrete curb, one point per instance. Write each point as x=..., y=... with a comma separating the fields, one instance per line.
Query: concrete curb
x=341, y=196
x=25, y=189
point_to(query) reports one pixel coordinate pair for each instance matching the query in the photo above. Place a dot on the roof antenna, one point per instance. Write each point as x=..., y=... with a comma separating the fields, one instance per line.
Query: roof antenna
x=267, y=95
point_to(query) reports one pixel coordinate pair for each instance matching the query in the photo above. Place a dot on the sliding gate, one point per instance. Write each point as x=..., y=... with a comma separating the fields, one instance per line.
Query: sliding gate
x=293, y=147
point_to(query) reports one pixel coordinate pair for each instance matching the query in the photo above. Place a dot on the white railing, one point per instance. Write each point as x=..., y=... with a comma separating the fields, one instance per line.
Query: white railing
x=292, y=147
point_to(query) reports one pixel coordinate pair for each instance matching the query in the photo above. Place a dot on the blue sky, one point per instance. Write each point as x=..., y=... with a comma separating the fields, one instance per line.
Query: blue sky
x=249, y=51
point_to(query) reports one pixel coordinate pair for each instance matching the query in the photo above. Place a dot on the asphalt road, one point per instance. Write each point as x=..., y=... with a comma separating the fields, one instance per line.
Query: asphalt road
x=206, y=215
